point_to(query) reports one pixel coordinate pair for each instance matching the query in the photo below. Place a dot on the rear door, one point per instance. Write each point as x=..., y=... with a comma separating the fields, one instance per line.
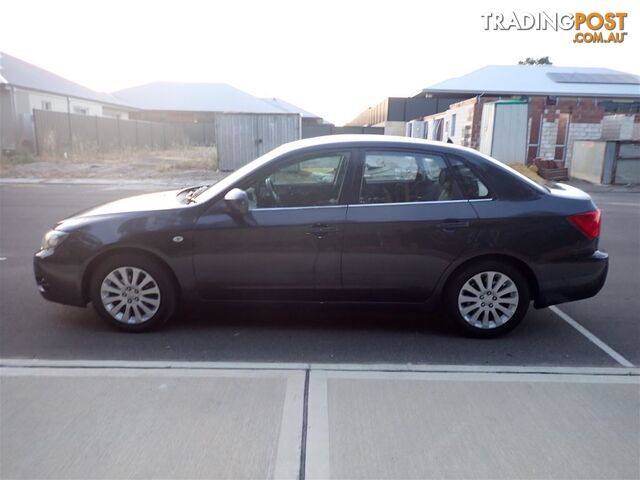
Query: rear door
x=407, y=222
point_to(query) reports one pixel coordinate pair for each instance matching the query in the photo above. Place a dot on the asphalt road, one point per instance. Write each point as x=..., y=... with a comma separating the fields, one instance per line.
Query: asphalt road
x=31, y=327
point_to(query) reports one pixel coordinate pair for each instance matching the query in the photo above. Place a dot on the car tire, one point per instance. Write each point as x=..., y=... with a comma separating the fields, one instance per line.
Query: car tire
x=479, y=310
x=133, y=293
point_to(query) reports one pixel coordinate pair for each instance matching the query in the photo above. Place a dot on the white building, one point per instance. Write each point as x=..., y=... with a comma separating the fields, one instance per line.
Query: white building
x=25, y=88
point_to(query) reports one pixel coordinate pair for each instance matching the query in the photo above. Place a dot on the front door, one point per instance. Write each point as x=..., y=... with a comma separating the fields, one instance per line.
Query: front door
x=288, y=245
x=409, y=221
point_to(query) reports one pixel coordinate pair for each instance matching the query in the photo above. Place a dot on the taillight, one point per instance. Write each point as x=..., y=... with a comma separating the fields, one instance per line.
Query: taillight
x=588, y=223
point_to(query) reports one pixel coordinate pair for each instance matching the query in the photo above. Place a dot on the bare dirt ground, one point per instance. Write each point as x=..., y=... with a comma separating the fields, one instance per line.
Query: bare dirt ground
x=181, y=166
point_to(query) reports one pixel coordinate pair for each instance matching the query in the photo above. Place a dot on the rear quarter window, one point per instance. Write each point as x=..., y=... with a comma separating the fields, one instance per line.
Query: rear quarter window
x=470, y=184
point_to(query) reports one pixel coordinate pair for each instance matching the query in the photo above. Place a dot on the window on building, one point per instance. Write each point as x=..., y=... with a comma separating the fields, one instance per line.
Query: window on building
x=46, y=105
x=398, y=177
x=81, y=110
x=453, y=125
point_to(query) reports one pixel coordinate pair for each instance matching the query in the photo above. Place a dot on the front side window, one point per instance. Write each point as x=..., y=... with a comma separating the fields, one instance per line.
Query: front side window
x=397, y=177
x=309, y=182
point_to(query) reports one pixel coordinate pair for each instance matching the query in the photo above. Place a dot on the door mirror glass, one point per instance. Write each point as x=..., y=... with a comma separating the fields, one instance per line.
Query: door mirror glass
x=237, y=202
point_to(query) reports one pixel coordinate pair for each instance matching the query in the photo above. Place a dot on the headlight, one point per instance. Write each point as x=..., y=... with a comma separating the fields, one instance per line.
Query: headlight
x=52, y=239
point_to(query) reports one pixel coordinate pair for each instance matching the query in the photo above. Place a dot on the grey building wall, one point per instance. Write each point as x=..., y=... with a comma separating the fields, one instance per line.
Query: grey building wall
x=7, y=125
x=400, y=109
x=406, y=109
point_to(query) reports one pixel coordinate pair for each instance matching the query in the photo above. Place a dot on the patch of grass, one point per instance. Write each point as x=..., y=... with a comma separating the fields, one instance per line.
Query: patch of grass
x=194, y=164
x=17, y=158
x=194, y=158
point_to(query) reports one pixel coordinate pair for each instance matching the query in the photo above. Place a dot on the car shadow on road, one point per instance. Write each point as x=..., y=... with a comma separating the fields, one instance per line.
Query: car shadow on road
x=314, y=317
x=300, y=333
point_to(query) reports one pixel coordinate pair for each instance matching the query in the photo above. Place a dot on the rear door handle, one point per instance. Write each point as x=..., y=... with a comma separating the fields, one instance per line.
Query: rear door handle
x=450, y=225
x=320, y=230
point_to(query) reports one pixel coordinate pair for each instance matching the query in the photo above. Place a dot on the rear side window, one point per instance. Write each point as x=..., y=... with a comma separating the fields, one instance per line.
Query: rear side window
x=472, y=187
x=397, y=177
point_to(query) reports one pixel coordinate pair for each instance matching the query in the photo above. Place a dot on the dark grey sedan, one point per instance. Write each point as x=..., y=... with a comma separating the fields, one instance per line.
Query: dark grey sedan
x=336, y=219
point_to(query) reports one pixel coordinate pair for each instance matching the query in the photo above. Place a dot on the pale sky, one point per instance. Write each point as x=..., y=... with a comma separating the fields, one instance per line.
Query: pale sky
x=334, y=58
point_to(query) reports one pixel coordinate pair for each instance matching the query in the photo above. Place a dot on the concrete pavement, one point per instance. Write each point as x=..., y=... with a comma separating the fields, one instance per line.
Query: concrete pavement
x=137, y=423
x=71, y=420
x=458, y=425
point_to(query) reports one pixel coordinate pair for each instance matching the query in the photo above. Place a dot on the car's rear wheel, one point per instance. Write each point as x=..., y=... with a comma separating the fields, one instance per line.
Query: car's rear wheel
x=133, y=293
x=488, y=298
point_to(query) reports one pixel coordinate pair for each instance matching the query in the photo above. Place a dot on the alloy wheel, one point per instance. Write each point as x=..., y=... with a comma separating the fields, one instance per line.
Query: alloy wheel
x=488, y=300
x=130, y=295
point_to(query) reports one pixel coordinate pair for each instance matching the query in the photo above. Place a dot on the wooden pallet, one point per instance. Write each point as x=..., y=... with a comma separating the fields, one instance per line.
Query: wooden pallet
x=550, y=170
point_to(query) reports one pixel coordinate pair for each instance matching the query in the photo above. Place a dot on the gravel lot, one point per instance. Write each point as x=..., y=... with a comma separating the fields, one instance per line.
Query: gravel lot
x=178, y=166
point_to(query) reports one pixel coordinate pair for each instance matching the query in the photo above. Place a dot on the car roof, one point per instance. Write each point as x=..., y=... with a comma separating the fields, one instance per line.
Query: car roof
x=359, y=140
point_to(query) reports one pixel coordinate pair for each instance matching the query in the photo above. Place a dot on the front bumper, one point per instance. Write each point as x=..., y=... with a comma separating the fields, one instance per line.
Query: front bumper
x=58, y=281
x=571, y=280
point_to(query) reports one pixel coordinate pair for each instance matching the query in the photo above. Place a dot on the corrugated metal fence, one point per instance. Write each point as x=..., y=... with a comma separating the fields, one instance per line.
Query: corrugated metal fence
x=59, y=132
x=244, y=137
x=239, y=138
x=309, y=131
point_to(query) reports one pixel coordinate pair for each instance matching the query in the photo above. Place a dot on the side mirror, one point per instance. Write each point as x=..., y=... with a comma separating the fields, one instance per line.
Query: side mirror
x=237, y=202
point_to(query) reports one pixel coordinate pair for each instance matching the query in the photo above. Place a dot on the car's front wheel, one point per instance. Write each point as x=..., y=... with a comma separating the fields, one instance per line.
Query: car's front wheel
x=488, y=298
x=133, y=293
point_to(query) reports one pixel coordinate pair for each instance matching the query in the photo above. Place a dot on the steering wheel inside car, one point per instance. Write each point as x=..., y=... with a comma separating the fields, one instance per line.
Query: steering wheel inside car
x=268, y=183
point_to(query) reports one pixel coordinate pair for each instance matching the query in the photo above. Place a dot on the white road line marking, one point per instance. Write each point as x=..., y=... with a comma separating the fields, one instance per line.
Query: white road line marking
x=287, y=464
x=476, y=369
x=2, y=259
x=13, y=371
x=621, y=204
x=169, y=366
x=460, y=376
x=484, y=377
x=317, y=454
x=603, y=346
x=150, y=364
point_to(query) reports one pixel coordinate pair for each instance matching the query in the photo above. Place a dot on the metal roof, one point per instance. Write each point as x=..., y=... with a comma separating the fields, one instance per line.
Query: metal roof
x=541, y=80
x=289, y=107
x=19, y=73
x=195, y=97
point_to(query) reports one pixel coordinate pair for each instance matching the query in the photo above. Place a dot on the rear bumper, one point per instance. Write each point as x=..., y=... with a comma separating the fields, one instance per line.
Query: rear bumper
x=57, y=281
x=571, y=280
